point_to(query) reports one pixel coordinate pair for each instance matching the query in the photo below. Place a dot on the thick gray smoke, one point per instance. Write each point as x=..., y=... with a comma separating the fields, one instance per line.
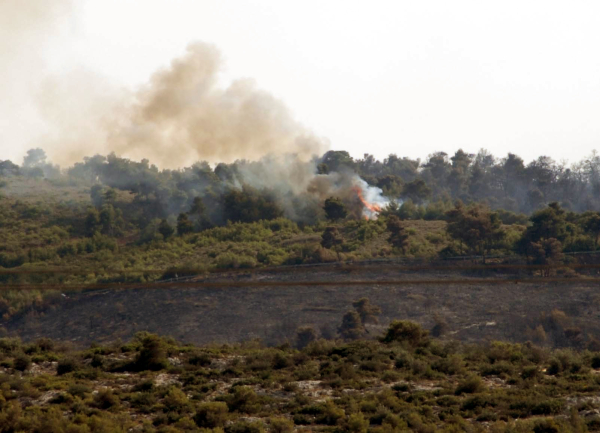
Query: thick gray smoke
x=301, y=189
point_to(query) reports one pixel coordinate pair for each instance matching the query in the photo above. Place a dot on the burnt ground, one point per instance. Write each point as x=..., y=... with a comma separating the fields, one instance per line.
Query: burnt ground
x=474, y=310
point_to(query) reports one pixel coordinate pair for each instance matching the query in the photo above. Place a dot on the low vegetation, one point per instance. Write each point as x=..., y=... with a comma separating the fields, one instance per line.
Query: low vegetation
x=404, y=380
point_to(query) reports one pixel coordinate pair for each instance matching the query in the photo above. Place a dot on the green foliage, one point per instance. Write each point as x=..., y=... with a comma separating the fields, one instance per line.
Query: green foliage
x=152, y=355
x=184, y=225
x=250, y=205
x=352, y=327
x=358, y=386
x=476, y=227
x=22, y=362
x=332, y=239
x=165, y=229
x=406, y=332
x=398, y=237
x=335, y=209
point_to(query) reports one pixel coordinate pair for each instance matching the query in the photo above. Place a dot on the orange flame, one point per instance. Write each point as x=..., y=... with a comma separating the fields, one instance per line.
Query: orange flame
x=372, y=207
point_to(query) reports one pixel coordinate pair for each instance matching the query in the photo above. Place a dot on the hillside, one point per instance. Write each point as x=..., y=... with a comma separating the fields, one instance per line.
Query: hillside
x=404, y=382
x=272, y=306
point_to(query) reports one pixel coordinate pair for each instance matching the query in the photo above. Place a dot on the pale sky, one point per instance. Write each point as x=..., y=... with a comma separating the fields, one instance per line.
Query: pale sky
x=404, y=77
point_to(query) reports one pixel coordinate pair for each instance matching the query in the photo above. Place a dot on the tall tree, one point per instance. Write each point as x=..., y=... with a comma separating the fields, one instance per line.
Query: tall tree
x=546, y=252
x=165, y=229
x=184, y=225
x=398, y=236
x=591, y=225
x=335, y=209
x=332, y=239
x=476, y=227
x=368, y=312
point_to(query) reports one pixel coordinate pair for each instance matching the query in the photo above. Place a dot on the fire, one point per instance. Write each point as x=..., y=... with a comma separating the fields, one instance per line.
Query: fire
x=375, y=209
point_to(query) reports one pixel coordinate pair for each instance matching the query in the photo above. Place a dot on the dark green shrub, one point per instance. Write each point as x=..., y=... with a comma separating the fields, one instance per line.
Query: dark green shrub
x=470, y=385
x=78, y=390
x=106, y=399
x=22, y=362
x=176, y=401
x=66, y=365
x=153, y=354
x=243, y=399
x=476, y=402
x=211, y=415
x=281, y=425
x=595, y=363
x=546, y=426
x=404, y=331
x=304, y=336
x=531, y=372
x=547, y=407
x=451, y=365
x=97, y=361
x=144, y=401
x=501, y=368
x=200, y=359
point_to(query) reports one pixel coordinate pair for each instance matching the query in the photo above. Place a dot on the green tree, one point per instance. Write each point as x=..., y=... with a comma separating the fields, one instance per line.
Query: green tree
x=352, y=327
x=546, y=252
x=96, y=195
x=548, y=223
x=152, y=355
x=304, y=336
x=184, y=225
x=108, y=220
x=404, y=331
x=591, y=225
x=335, y=209
x=92, y=222
x=334, y=160
x=211, y=415
x=417, y=191
x=367, y=312
x=165, y=229
x=250, y=205
x=198, y=208
x=476, y=227
x=398, y=237
x=110, y=196
x=332, y=239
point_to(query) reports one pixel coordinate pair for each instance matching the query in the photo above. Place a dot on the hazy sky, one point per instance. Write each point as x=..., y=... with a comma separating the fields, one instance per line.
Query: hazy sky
x=404, y=77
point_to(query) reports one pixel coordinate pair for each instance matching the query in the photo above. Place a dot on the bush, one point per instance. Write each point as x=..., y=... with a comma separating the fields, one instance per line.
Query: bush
x=470, y=385
x=106, y=399
x=153, y=354
x=176, y=401
x=243, y=399
x=22, y=362
x=211, y=415
x=66, y=365
x=404, y=331
x=200, y=359
x=281, y=425
x=304, y=336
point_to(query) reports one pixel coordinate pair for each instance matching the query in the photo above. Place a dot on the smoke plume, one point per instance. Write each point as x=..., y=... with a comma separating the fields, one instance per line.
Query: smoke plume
x=180, y=116
x=27, y=28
